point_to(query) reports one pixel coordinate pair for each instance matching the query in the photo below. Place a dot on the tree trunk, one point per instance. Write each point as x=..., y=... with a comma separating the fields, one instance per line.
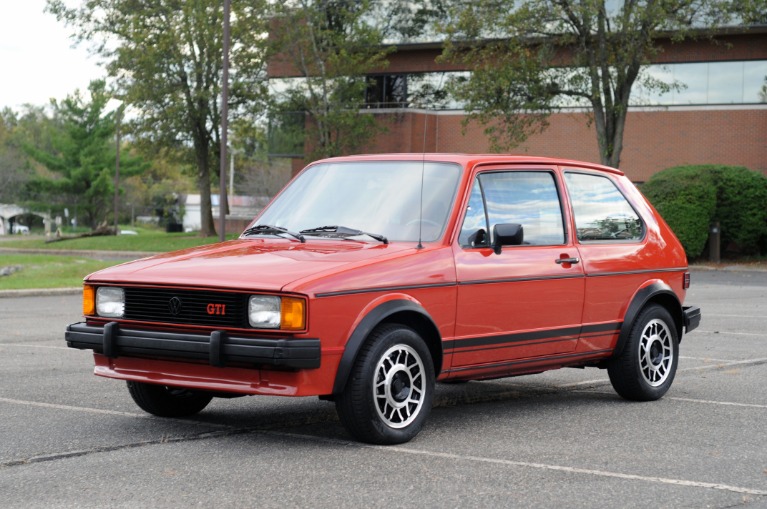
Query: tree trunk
x=207, y=226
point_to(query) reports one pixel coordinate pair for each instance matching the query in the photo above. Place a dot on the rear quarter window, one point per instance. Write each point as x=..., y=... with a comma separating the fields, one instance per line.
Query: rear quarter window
x=602, y=213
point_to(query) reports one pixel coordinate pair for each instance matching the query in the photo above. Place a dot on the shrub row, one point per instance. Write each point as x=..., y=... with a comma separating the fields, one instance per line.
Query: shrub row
x=692, y=198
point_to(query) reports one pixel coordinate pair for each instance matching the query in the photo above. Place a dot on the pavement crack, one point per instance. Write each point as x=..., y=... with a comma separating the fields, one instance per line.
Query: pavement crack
x=111, y=448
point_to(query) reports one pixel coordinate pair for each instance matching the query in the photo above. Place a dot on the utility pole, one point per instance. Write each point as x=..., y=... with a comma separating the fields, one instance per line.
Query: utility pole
x=118, y=121
x=222, y=201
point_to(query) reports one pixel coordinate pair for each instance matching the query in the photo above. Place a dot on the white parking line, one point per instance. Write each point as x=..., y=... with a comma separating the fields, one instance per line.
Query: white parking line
x=89, y=410
x=706, y=359
x=525, y=464
x=725, y=403
x=22, y=345
x=692, y=400
x=729, y=333
x=735, y=316
x=54, y=406
x=725, y=364
x=721, y=364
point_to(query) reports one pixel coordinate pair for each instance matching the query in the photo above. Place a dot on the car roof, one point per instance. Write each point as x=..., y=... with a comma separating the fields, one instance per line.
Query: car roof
x=472, y=160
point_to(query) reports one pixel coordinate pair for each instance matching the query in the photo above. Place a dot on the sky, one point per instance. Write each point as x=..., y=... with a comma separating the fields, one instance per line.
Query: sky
x=37, y=59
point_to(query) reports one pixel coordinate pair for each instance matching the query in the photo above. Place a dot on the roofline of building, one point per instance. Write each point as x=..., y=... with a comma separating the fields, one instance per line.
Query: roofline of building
x=700, y=32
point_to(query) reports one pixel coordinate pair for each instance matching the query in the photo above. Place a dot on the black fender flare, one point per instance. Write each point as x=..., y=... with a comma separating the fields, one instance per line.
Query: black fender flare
x=366, y=326
x=658, y=291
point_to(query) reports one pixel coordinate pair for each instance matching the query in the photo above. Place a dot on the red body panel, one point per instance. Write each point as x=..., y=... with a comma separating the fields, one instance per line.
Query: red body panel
x=495, y=314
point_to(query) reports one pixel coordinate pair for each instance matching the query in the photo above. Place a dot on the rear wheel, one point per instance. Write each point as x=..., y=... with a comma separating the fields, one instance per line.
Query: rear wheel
x=646, y=368
x=389, y=392
x=165, y=401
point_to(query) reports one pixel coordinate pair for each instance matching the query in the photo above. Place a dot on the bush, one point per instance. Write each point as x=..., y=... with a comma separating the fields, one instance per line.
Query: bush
x=691, y=198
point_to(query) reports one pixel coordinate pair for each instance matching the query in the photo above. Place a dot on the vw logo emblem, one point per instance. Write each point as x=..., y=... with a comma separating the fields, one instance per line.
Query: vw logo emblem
x=175, y=306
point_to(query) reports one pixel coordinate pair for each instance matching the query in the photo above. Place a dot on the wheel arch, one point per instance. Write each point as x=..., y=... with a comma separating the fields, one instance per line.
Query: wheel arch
x=657, y=292
x=404, y=312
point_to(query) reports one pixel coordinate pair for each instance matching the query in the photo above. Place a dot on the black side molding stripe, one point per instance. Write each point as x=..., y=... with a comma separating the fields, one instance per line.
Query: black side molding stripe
x=357, y=291
x=383, y=289
x=565, y=333
x=631, y=272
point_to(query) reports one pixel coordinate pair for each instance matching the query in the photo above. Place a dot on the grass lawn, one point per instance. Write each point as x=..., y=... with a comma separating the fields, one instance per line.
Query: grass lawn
x=146, y=240
x=48, y=271
x=62, y=270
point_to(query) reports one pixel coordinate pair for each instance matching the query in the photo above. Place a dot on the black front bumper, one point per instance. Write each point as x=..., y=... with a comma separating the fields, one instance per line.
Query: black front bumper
x=217, y=348
x=691, y=317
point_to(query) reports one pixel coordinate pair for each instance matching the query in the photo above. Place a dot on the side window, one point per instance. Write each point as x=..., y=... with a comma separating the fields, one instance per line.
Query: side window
x=601, y=211
x=528, y=198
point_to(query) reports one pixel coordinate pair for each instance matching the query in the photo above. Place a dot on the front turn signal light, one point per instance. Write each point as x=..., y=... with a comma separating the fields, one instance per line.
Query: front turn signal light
x=89, y=300
x=293, y=313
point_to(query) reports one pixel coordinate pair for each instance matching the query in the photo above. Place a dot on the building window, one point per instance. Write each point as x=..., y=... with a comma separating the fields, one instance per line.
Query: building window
x=706, y=83
x=386, y=91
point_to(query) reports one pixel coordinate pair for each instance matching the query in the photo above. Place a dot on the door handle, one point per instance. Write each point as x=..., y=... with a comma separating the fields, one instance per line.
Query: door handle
x=567, y=260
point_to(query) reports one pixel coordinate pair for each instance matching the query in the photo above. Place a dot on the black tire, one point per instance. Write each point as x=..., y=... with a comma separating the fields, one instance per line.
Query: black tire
x=646, y=368
x=165, y=401
x=390, y=389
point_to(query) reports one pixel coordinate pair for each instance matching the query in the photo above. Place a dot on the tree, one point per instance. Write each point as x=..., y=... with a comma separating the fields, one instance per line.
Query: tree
x=81, y=155
x=332, y=45
x=166, y=57
x=13, y=164
x=161, y=189
x=531, y=57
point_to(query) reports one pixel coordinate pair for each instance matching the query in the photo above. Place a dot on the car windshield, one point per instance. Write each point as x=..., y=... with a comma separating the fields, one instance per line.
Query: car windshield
x=399, y=200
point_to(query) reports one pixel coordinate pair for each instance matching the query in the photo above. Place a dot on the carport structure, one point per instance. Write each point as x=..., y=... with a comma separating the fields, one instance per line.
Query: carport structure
x=9, y=213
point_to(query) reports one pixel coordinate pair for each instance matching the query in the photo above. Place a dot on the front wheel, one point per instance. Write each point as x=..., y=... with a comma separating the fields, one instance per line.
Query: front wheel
x=645, y=369
x=165, y=401
x=391, y=387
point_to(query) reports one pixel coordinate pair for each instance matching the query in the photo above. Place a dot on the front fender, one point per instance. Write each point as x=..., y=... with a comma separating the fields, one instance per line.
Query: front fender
x=374, y=317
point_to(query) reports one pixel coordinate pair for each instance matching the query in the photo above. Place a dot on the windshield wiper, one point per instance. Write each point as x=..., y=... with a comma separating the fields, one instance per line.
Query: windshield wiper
x=342, y=232
x=267, y=229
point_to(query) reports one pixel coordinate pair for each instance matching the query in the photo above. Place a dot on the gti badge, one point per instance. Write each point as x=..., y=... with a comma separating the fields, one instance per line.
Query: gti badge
x=216, y=309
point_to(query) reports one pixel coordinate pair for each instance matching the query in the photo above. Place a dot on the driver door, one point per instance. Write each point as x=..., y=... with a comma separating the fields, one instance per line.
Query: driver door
x=526, y=301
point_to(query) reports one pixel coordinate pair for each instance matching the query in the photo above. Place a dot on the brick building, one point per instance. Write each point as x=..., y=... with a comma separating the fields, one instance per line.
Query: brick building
x=720, y=118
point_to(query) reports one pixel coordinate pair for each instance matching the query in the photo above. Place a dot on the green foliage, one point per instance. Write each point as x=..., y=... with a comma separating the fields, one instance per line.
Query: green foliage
x=687, y=201
x=532, y=57
x=332, y=46
x=12, y=161
x=166, y=57
x=81, y=156
x=691, y=198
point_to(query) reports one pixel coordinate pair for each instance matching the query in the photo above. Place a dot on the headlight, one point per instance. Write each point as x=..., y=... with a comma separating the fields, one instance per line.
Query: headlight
x=110, y=302
x=272, y=312
x=264, y=312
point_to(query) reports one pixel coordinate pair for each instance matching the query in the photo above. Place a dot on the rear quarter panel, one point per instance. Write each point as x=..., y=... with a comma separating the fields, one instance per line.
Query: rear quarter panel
x=615, y=272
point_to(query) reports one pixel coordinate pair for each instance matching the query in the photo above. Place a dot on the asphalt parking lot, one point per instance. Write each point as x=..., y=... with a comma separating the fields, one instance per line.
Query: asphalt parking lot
x=560, y=439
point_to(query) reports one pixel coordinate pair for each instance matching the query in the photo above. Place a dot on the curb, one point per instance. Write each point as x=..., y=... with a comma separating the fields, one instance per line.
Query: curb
x=728, y=268
x=40, y=292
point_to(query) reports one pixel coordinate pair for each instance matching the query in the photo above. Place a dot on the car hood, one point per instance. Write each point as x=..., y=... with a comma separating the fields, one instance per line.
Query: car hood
x=262, y=264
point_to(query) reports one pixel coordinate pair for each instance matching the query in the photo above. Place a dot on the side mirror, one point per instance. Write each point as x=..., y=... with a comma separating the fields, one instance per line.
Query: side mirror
x=510, y=234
